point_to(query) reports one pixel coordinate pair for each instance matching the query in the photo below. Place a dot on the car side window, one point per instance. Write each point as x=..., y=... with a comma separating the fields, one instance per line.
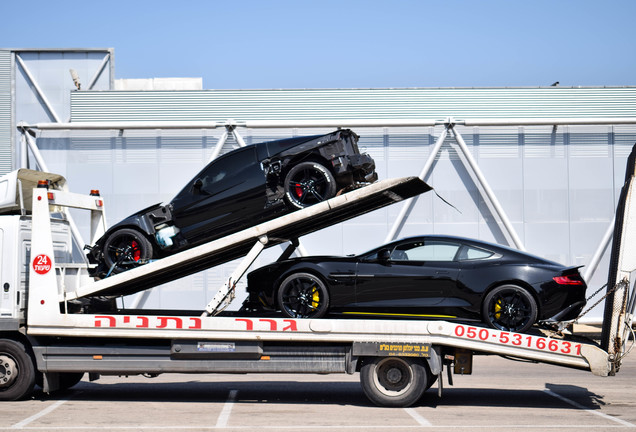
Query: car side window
x=470, y=253
x=226, y=170
x=425, y=251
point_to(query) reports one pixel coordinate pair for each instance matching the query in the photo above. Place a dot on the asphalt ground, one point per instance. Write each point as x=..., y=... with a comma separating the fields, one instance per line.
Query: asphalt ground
x=501, y=394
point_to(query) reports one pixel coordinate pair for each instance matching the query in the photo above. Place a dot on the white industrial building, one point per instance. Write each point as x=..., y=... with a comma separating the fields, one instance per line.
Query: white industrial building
x=536, y=168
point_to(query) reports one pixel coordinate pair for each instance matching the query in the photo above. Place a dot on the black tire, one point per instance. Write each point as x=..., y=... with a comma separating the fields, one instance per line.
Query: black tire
x=124, y=249
x=510, y=308
x=395, y=381
x=309, y=183
x=17, y=371
x=303, y=295
x=66, y=379
x=70, y=379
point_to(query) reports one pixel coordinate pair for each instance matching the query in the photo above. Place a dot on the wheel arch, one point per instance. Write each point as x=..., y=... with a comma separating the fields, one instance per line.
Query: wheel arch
x=16, y=336
x=433, y=363
x=313, y=156
x=137, y=227
x=301, y=269
x=98, y=248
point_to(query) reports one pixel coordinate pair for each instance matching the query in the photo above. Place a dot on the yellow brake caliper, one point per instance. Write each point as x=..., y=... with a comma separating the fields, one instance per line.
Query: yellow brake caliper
x=315, y=297
x=498, y=309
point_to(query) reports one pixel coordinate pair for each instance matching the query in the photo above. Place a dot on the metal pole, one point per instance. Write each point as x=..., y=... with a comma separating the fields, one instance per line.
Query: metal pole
x=489, y=193
x=40, y=161
x=38, y=89
x=547, y=121
x=99, y=72
x=225, y=295
x=408, y=204
x=127, y=125
x=238, y=138
x=36, y=152
x=590, y=269
x=140, y=299
x=260, y=124
x=24, y=150
x=219, y=146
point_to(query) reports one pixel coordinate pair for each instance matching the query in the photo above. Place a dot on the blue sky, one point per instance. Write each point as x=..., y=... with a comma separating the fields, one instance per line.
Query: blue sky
x=240, y=44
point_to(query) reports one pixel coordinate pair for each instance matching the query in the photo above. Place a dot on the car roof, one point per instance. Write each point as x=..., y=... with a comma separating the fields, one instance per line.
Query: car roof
x=507, y=250
x=277, y=147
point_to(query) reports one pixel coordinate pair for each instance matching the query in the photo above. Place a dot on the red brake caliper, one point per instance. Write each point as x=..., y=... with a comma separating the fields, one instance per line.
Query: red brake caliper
x=136, y=250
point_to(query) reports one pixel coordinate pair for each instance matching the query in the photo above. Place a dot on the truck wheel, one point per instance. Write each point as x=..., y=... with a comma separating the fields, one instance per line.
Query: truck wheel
x=17, y=372
x=394, y=381
x=126, y=248
x=309, y=183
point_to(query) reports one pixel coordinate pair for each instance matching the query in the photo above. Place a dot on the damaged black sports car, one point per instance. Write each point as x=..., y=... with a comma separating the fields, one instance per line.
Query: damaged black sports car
x=240, y=189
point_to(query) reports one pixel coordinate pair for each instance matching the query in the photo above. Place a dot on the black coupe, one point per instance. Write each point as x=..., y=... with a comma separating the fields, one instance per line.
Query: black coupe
x=439, y=277
x=242, y=188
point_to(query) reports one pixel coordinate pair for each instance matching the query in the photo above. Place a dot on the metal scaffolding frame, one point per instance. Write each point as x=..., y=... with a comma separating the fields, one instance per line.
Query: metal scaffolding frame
x=42, y=95
x=232, y=126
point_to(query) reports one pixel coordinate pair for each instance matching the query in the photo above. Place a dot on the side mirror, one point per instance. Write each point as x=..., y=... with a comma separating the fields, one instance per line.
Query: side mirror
x=196, y=186
x=384, y=255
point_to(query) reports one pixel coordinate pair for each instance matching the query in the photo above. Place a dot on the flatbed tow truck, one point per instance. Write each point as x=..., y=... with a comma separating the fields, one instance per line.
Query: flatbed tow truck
x=57, y=323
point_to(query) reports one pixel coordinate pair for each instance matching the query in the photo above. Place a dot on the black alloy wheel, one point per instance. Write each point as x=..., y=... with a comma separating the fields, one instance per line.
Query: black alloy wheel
x=125, y=249
x=303, y=295
x=510, y=308
x=309, y=183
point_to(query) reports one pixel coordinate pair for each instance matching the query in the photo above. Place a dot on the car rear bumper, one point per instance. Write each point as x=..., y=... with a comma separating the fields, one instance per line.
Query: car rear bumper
x=569, y=313
x=361, y=166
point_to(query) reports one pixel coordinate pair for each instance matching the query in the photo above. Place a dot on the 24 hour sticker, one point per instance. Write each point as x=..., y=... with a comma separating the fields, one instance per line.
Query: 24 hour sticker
x=42, y=264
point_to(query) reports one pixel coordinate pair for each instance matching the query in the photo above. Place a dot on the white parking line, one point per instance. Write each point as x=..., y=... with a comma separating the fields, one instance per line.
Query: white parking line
x=581, y=407
x=42, y=413
x=507, y=427
x=224, y=417
x=417, y=417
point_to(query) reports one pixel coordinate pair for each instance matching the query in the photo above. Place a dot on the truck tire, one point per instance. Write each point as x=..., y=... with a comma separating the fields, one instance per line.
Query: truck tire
x=394, y=381
x=66, y=379
x=69, y=379
x=17, y=371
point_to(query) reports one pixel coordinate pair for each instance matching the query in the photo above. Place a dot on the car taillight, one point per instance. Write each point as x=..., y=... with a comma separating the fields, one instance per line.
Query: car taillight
x=568, y=280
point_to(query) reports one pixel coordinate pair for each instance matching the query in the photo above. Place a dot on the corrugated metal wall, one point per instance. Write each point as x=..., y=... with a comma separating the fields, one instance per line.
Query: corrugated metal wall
x=6, y=119
x=317, y=104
